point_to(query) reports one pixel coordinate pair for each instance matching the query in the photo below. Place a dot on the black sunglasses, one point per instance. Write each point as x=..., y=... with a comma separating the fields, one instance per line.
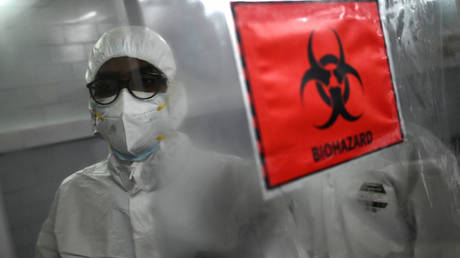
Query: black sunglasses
x=144, y=86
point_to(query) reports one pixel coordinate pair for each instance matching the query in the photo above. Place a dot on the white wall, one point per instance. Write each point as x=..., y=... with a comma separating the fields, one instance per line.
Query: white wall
x=44, y=46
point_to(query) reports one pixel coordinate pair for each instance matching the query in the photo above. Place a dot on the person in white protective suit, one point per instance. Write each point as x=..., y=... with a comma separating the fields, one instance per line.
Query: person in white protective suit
x=400, y=202
x=155, y=195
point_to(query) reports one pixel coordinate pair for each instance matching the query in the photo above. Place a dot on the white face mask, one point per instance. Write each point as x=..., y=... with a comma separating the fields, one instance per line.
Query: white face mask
x=133, y=127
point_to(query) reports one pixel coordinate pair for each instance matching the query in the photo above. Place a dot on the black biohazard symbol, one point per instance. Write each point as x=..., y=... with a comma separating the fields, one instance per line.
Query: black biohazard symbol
x=318, y=72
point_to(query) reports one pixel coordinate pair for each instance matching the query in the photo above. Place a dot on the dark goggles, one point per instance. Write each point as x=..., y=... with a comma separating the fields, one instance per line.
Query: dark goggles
x=143, y=86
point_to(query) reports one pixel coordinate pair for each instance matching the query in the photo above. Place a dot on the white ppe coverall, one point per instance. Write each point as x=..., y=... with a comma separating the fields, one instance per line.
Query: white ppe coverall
x=402, y=201
x=178, y=202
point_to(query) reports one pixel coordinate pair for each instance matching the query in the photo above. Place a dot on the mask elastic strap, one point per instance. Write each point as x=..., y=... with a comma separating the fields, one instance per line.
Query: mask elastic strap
x=130, y=157
x=140, y=157
x=97, y=115
x=162, y=106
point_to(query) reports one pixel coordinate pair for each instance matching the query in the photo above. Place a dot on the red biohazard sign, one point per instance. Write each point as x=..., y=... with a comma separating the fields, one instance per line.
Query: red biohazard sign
x=319, y=83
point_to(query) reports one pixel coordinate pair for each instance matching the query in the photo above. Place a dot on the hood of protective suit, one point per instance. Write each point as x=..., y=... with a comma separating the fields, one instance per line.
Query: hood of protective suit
x=133, y=127
x=145, y=44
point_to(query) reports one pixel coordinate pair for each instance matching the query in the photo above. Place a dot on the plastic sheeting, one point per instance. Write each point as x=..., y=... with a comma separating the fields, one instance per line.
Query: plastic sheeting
x=415, y=35
x=398, y=202
x=339, y=212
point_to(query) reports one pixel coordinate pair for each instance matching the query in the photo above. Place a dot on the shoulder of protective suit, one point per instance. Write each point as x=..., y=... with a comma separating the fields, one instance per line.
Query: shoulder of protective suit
x=180, y=147
x=225, y=160
x=189, y=153
x=93, y=172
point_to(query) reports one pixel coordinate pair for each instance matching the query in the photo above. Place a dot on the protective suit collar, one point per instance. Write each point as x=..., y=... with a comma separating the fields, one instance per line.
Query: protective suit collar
x=134, y=176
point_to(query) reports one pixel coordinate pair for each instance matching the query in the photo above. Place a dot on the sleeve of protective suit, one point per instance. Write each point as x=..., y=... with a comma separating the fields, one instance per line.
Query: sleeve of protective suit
x=46, y=244
x=246, y=203
x=260, y=233
x=433, y=204
x=248, y=198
